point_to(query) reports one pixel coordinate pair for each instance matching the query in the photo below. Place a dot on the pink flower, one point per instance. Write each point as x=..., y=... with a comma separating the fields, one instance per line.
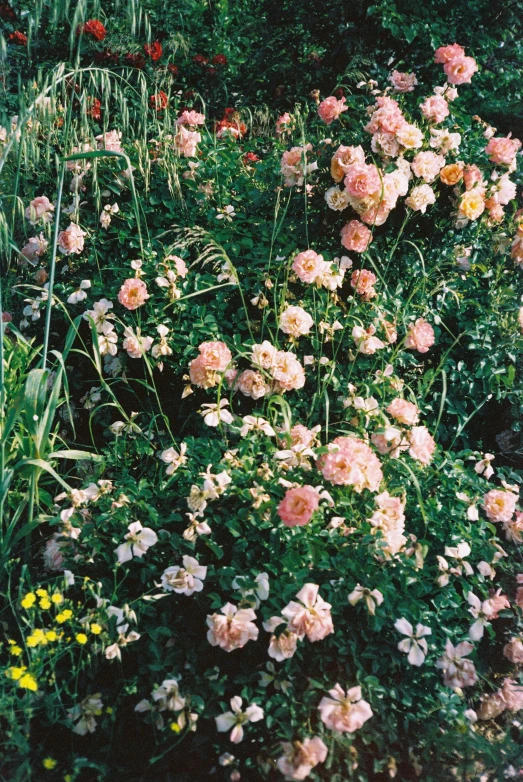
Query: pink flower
x=445, y=54
x=287, y=371
x=363, y=283
x=295, y=321
x=351, y=462
x=309, y=266
x=40, y=208
x=344, y=712
x=110, y=141
x=35, y=248
x=512, y=693
x=403, y=411
x=355, y=236
x=403, y=82
x=421, y=444
x=251, y=383
x=365, y=340
x=71, y=240
x=232, y=628
x=310, y=617
x=386, y=116
x=389, y=521
x=501, y=150
x=298, y=506
x=420, y=336
x=460, y=70
x=362, y=180
x=299, y=758
x=133, y=293
x=53, y=554
x=457, y=672
x=282, y=120
x=282, y=646
x=343, y=158
x=472, y=176
x=499, y=505
x=186, y=141
x=513, y=651
x=295, y=165
x=136, y=345
x=331, y=108
x=192, y=118
x=435, y=109
x=427, y=165
x=491, y=706
x=214, y=357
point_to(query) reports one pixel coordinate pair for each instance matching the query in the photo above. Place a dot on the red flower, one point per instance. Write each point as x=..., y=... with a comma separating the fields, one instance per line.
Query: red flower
x=135, y=60
x=93, y=108
x=200, y=59
x=19, y=38
x=250, y=157
x=95, y=28
x=6, y=317
x=173, y=70
x=219, y=59
x=153, y=50
x=7, y=13
x=159, y=101
x=228, y=113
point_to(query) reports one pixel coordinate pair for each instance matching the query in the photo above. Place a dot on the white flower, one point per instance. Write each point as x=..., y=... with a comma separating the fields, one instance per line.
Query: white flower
x=482, y=613
x=113, y=651
x=415, y=645
x=100, y=313
x=79, y=294
x=484, y=467
x=139, y=539
x=459, y=552
x=173, y=458
x=84, y=714
x=107, y=340
x=227, y=213
x=251, y=423
x=184, y=580
x=216, y=413
x=260, y=591
x=237, y=718
x=196, y=527
x=372, y=598
x=167, y=696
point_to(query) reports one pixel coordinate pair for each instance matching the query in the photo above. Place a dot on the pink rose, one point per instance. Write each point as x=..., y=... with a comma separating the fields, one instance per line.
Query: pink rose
x=405, y=412
x=513, y=651
x=287, y=371
x=309, y=266
x=110, y=141
x=34, y=249
x=344, y=712
x=133, y=293
x=186, y=141
x=403, y=82
x=343, y=158
x=40, y=208
x=71, y=240
x=351, y=462
x=310, y=617
x=447, y=53
x=298, y=505
x=422, y=444
x=362, y=180
x=472, y=176
x=420, y=336
x=363, y=281
x=499, y=505
x=427, y=165
x=252, y=383
x=232, y=628
x=501, y=150
x=460, y=70
x=299, y=758
x=192, y=118
x=356, y=236
x=331, y=108
x=435, y=109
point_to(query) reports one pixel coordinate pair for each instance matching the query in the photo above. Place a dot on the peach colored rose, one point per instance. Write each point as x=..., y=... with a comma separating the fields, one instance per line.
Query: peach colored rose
x=287, y=371
x=309, y=266
x=501, y=150
x=390, y=441
x=420, y=336
x=471, y=205
x=136, y=345
x=252, y=384
x=71, y=240
x=295, y=321
x=40, y=209
x=232, y=628
x=427, y=165
x=435, y=109
x=513, y=529
x=362, y=180
x=460, y=70
x=422, y=444
x=403, y=82
x=343, y=158
x=403, y=411
x=356, y=236
x=344, y=712
x=216, y=355
x=451, y=174
x=300, y=758
x=363, y=282
x=499, y=505
x=410, y=136
x=263, y=355
x=298, y=505
x=420, y=198
x=445, y=54
x=310, y=617
x=133, y=293
x=386, y=116
x=281, y=122
x=351, y=462
x=472, y=177
x=331, y=108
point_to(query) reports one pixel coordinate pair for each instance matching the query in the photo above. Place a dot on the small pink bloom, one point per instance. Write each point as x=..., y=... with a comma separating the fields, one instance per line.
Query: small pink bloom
x=447, y=53
x=460, y=70
x=502, y=150
x=363, y=281
x=110, y=141
x=435, y=109
x=299, y=758
x=191, y=118
x=298, y=506
x=40, y=208
x=362, y=180
x=186, y=141
x=513, y=651
x=310, y=617
x=420, y=336
x=356, y=236
x=71, y=240
x=331, y=108
x=351, y=462
x=344, y=712
x=216, y=355
x=403, y=411
x=287, y=371
x=472, y=177
x=133, y=293
x=512, y=693
x=421, y=444
x=232, y=628
x=457, y=672
x=403, y=82
x=251, y=383
x=309, y=266
x=343, y=158
x=499, y=505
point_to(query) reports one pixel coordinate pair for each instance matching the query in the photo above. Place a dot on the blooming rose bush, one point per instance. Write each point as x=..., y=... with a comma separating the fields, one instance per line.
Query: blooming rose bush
x=292, y=557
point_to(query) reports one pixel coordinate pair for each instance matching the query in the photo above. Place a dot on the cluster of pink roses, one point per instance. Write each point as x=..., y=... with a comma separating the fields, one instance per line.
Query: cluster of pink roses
x=458, y=68
x=206, y=370
x=500, y=507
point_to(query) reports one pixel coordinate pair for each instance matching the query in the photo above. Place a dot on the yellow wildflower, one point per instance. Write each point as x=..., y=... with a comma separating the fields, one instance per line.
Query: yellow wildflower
x=28, y=682
x=49, y=763
x=37, y=637
x=29, y=600
x=16, y=650
x=64, y=616
x=175, y=727
x=42, y=592
x=51, y=635
x=15, y=672
x=57, y=598
x=45, y=603
x=81, y=638
x=96, y=629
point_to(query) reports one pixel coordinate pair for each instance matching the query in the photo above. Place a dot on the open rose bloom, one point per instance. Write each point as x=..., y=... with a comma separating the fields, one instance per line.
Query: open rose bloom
x=344, y=712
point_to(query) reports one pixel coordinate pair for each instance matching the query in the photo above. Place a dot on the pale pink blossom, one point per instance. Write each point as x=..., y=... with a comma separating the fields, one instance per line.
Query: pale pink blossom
x=232, y=628
x=386, y=115
x=403, y=411
x=300, y=758
x=389, y=440
x=192, y=118
x=53, y=554
x=410, y=136
x=309, y=266
x=420, y=336
x=513, y=650
x=35, y=248
x=295, y=165
x=282, y=646
x=420, y=198
x=351, y=462
x=186, y=141
x=356, y=236
x=491, y=706
x=184, y=580
x=460, y=70
x=482, y=613
x=445, y=54
x=287, y=371
x=138, y=540
x=385, y=144
x=295, y=321
x=310, y=617
x=499, y=505
x=110, y=141
x=415, y=644
x=281, y=122
x=71, y=240
x=512, y=693
x=298, y=506
x=403, y=82
x=389, y=521
x=337, y=199
x=503, y=150
x=40, y=210
x=427, y=165
x=343, y=158
x=252, y=383
x=435, y=109
x=264, y=355
x=133, y=293
x=365, y=340
x=235, y=720
x=363, y=280
x=457, y=672
x=362, y=180
x=331, y=108
x=344, y=712
x=421, y=444
x=372, y=597
x=135, y=344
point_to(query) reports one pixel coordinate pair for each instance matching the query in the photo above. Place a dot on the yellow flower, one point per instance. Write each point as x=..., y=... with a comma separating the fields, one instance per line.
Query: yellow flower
x=57, y=598
x=472, y=204
x=15, y=672
x=81, y=638
x=16, y=650
x=51, y=635
x=45, y=603
x=37, y=637
x=49, y=763
x=29, y=600
x=109, y=710
x=42, y=592
x=28, y=682
x=175, y=727
x=64, y=616
x=96, y=629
